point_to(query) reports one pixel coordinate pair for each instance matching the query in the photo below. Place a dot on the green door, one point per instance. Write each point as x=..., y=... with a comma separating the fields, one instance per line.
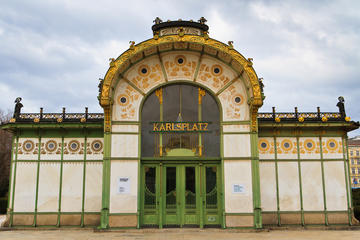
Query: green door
x=150, y=192
x=212, y=197
x=178, y=195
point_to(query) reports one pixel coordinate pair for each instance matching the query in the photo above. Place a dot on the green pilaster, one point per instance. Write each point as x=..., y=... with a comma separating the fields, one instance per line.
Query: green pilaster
x=347, y=179
x=222, y=177
x=277, y=182
x=83, y=188
x=300, y=181
x=37, y=181
x=14, y=182
x=11, y=168
x=255, y=180
x=104, y=222
x=60, y=184
x=159, y=192
x=201, y=198
x=323, y=180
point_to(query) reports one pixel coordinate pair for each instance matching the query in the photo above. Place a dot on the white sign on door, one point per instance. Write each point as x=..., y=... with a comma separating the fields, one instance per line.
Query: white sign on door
x=123, y=185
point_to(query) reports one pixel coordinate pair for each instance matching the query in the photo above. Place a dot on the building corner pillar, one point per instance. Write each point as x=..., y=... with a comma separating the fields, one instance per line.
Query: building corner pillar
x=105, y=203
x=256, y=180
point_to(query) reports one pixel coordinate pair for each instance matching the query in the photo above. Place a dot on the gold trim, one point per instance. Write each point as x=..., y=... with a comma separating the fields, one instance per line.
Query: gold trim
x=159, y=95
x=107, y=119
x=201, y=95
x=117, y=66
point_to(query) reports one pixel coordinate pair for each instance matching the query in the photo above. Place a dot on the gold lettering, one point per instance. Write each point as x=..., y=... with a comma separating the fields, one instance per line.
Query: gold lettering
x=155, y=128
x=187, y=126
x=194, y=128
x=162, y=128
x=168, y=126
x=178, y=127
x=200, y=126
x=206, y=125
x=172, y=127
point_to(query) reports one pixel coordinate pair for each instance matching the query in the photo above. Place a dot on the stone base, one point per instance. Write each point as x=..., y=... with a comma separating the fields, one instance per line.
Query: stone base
x=314, y=218
x=70, y=220
x=290, y=218
x=46, y=219
x=123, y=221
x=338, y=218
x=92, y=219
x=23, y=219
x=239, y=221
x=269, y=218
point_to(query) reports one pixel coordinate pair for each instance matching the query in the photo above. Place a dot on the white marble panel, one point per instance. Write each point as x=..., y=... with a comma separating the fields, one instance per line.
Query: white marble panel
x=125, y=128
x=72, y=185
x=93, y=187
x=266, y=148
x=268, y=186
x=49, y=183
x=125, y=202
x=48, y=153
x=312, y=190
x=335, y=186
x=28, y=153
x=238, y=172
x=93, y=152
x=25, y=187
x=74, y=153
x=237, y=145
x=309, y=147
x=236, y=128
x=124, y=145
x=286, y=148
x=289, y=189
x=332, y=147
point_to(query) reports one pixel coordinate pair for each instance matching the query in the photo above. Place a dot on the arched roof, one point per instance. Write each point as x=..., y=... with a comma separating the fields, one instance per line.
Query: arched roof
x=200, y=43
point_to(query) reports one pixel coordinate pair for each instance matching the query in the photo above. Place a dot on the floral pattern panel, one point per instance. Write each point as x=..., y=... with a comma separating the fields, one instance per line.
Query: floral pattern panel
x=146, y=74
x=180, y=65
x=126, y=103
x=214, y=74
x=234, y=102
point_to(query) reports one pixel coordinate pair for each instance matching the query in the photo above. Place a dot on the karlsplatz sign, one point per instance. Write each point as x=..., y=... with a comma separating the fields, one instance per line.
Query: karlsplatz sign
x=182, y=127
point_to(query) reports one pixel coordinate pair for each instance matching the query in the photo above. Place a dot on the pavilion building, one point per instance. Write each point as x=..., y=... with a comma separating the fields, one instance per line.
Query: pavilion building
x=180, y=142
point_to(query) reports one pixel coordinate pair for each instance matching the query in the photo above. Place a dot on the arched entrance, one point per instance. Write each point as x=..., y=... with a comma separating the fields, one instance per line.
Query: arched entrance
x=180, y=158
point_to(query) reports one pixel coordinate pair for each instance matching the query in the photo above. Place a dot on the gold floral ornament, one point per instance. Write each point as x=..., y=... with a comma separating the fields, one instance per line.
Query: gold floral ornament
x=59, y=120
x=36, y=120
x=83, y=120
x=277, y=120
x=324, y=119
x=347, y=119
x=301, y=119
x=12, y=120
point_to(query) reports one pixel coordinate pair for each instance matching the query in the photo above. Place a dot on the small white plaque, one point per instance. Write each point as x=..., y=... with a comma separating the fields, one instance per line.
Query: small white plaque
x=238, y=189
x=123, y=185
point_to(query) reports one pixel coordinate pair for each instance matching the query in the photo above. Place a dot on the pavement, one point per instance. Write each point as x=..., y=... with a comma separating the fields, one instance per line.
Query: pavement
x=177, y=234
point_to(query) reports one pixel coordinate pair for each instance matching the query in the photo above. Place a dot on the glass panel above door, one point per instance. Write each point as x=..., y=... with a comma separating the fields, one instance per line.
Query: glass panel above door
x=180, y=120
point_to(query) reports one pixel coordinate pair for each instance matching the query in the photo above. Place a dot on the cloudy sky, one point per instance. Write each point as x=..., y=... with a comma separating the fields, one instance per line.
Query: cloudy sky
x=52, y=53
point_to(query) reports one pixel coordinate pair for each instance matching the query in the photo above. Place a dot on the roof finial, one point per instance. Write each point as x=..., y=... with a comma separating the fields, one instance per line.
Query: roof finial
x=157, y=20
x=202, y=20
